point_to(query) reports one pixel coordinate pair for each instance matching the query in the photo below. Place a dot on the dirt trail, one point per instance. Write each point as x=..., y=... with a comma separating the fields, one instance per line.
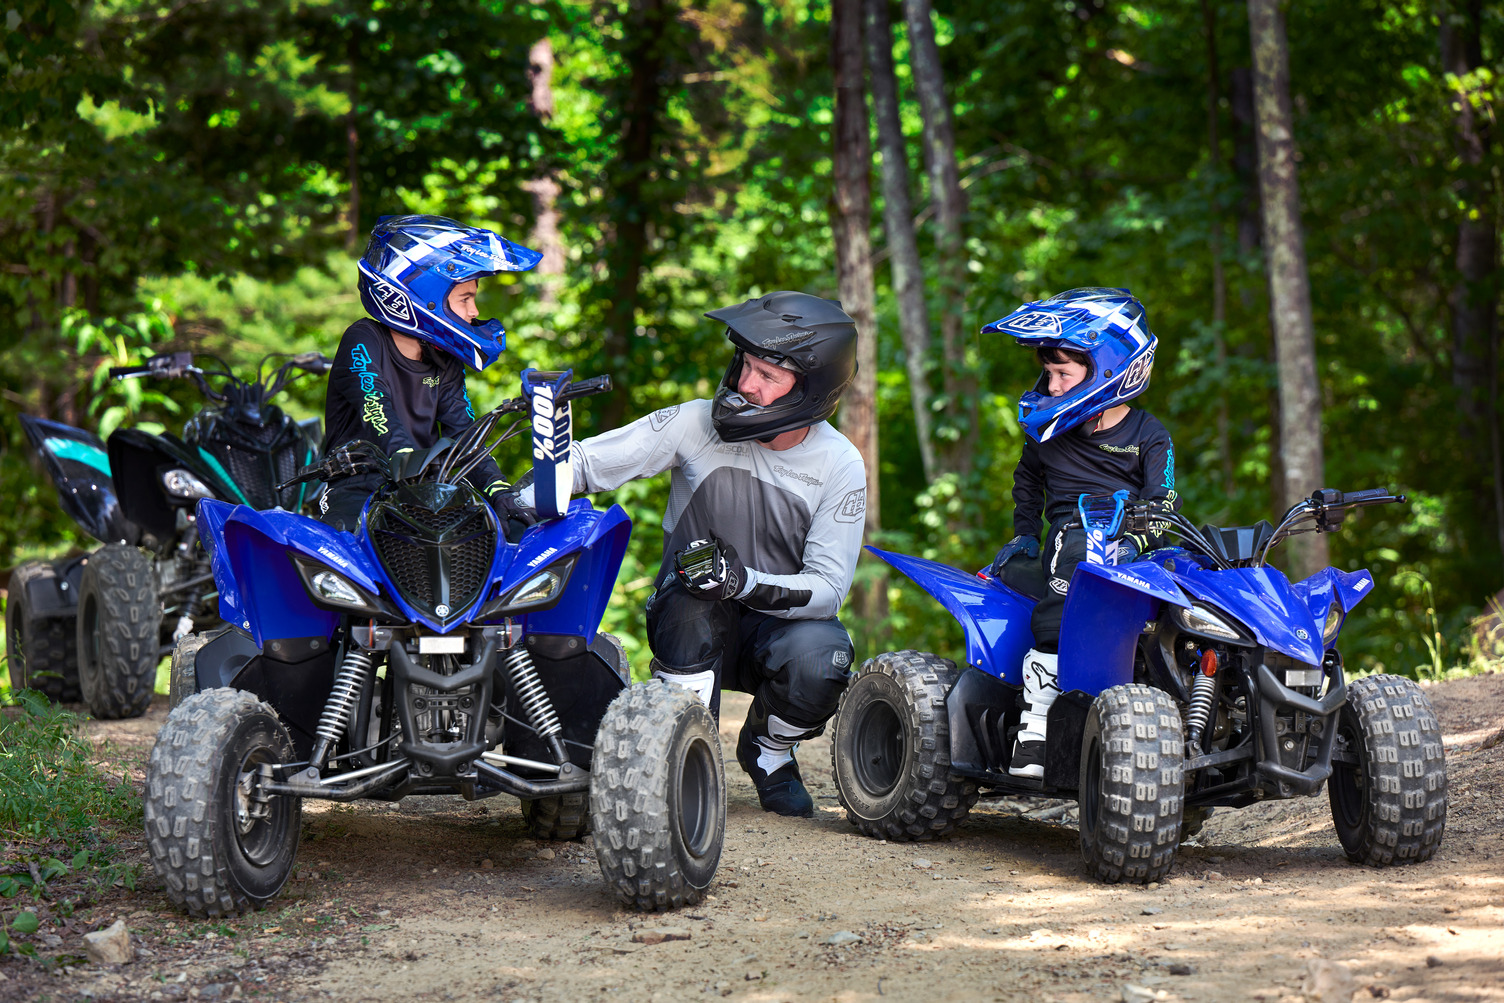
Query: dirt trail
x=439, y=899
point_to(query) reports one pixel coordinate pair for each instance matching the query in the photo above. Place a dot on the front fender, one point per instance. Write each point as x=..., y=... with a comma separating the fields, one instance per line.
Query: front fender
x=1329, y=585
x=994, y=617
x=1105, y=611
x=601, y=538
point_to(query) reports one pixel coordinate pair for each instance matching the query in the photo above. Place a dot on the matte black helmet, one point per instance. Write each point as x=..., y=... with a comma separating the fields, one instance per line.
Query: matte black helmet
x=811, y=337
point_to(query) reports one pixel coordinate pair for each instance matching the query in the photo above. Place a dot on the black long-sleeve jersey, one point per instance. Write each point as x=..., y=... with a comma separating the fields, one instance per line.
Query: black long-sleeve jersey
x=378, y=394
x=1136, y=454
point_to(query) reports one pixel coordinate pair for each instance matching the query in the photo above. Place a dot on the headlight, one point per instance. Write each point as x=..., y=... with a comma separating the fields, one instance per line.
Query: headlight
x=1333, y=624
x=1200, y=620
x=181, y=484
x=539, y=589
x=332, y=590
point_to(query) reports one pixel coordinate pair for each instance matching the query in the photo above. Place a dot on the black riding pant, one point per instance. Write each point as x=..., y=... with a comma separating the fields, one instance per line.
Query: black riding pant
x=795, y=668
x=1058, y=558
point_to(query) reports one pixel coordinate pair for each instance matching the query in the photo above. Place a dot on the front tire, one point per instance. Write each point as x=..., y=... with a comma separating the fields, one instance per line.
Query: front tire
x=1132, y=784
x=219, y=852
x=891, y=750
x=1390, y=807
x=41, y=651
x=658, y=797
x=119, y=612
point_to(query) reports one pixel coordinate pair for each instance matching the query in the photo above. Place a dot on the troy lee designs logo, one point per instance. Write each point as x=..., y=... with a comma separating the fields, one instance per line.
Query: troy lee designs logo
x=390, y=301
x=1138, y=373
x=373, y=412
x=1033, y=322
x=550, y=426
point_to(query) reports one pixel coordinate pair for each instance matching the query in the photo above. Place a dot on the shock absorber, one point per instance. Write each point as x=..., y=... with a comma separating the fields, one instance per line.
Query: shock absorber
x=353, y=672
x=1203, y=696
x=540, y=709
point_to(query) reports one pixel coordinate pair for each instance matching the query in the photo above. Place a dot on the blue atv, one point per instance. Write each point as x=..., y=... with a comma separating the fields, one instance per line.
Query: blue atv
x=438, y=649
x=1194, y=677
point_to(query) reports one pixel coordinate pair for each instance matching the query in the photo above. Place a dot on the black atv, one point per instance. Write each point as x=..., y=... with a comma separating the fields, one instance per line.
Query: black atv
x=95, y=626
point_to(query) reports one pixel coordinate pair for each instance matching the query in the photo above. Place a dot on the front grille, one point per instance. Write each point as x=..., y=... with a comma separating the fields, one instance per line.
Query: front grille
x=433, y=557
x=251, y=471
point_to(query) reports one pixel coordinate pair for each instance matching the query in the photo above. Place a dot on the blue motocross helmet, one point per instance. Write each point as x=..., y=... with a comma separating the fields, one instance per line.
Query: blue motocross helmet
x=1109, y=327
x=411, y=264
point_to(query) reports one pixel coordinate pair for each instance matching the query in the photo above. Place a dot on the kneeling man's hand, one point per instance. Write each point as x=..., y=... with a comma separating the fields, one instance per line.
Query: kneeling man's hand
x=710, y=570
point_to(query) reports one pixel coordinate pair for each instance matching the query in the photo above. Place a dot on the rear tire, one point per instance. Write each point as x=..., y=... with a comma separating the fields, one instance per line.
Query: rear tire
x=119, y=613
x=41, y=652
x=557, y=817
x=1132, y=784
x=890, y=753
x=658, y=797
x=216, y=857
x=1391, y=807
x=183, y=680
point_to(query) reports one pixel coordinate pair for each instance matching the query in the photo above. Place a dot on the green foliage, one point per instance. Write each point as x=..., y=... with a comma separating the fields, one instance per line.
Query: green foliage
x=180, y=179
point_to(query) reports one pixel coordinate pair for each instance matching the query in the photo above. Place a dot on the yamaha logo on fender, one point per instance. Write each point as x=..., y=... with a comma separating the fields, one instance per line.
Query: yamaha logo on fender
x=1033, y=322
x=1138, y=373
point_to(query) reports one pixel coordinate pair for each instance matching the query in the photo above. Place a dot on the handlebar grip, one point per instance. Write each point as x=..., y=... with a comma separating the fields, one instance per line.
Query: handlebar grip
x=1373, y=496
x=586, y=388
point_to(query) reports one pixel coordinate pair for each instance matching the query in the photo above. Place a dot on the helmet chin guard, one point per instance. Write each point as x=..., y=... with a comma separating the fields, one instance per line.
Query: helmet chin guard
x=412, y=263
x=1109, y=327
x=812, y=337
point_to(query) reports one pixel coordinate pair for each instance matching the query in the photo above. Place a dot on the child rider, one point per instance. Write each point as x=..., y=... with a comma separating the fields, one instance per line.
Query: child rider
x=399, y=375
x=1096, y=350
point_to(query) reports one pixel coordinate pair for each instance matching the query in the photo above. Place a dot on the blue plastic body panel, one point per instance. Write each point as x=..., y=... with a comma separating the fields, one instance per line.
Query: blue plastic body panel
x=994, y=617
x=1262, y=600
x=1105, y=611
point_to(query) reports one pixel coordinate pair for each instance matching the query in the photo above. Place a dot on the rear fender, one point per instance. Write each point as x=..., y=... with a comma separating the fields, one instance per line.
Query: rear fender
x=1105, y=612
x=601, y=538
x=76, y=461
x=993, y=616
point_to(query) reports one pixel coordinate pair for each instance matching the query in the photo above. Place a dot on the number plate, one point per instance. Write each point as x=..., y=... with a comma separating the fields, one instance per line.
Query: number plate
x=433, y=644
x=1302, y=677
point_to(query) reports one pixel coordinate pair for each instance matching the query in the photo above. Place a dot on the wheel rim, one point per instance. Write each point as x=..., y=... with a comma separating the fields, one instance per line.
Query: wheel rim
x=879, y=748
x=699, y=798
x=90, y=617
x=1091, y=787
x=259, y=839
x=1348, y=783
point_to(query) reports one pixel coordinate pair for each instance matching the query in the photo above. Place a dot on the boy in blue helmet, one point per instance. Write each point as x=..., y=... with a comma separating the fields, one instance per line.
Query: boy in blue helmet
x=399, y=376
x=1096, y=351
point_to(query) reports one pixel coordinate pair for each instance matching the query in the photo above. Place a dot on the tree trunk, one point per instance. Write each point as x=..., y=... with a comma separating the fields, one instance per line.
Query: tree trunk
x=852, y=226
x=352, y=147
x=950, y=211
x=1474, y=299
x=646, y=27
x=898, y=223
x=1289, y=285
x=546, y=238
x=1219, y=275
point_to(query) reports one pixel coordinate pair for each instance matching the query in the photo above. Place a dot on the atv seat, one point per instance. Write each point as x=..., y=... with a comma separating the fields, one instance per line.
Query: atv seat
x=1026, y=577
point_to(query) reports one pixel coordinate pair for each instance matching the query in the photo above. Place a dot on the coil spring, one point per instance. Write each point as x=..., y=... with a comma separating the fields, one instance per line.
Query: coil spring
x=352, y=679
x=1203, y=692
x=540, y=710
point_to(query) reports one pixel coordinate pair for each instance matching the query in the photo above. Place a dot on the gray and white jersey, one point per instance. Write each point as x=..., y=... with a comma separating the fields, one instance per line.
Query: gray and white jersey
x=795, y=516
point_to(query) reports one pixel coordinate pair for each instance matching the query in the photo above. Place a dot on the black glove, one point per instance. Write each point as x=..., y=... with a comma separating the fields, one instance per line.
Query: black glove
x=710, y=570
x=1026, y=545
x=342, y=461
x=515, y=518
x=1127, y=550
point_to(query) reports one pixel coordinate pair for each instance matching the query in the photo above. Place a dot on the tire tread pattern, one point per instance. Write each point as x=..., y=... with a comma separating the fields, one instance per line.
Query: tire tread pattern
x=937, y=800
x=1403, y=760
x=558, y=816
x=50, y=663
x=1142, y=784
x=123, y=582
x=629, y=797
x=179, y=811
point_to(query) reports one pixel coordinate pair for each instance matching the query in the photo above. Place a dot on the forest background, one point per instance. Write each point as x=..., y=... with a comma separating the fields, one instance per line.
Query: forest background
x=200, y=175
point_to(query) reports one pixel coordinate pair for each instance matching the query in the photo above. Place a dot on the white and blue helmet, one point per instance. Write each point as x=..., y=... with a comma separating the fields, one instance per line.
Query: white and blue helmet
x=411, y=264
x=1109, y=327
